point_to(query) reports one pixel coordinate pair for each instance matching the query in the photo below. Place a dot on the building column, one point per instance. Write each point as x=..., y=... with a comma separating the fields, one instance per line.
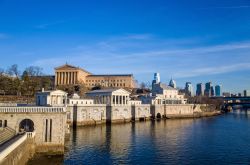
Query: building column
x=56, y=78
x=68, y=82
x=62, y=78
x=72, y=82
x=67, y=77
x=73, y=77
x=115, y=99
x=76, y=78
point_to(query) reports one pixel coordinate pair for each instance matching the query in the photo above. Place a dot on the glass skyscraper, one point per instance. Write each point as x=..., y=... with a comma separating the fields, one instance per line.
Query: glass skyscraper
x=199, y=89
x=218, y=90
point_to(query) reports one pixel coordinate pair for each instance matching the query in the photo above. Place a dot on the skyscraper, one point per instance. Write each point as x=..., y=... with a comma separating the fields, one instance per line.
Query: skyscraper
x=208, y=88
x=156, y=79
x=189, y=89
x=218, y=90
x=199, y=89
x=211, y=90
x=246, y=93
x=172, y=83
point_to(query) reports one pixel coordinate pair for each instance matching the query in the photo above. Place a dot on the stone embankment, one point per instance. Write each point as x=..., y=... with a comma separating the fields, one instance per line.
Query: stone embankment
x=18, y=150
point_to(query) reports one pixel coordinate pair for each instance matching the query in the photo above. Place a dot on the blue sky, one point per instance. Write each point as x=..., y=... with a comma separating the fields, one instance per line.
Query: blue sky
x=192, y=40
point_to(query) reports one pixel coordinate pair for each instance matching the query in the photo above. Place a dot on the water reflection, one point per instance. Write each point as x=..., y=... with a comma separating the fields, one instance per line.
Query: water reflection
x=221, y=140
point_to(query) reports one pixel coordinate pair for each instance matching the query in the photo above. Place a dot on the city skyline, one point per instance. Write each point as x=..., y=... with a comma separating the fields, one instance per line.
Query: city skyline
x=206, y=41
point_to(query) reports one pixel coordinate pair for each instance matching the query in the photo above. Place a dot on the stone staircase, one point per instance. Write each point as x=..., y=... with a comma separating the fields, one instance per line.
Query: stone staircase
x=6, y=134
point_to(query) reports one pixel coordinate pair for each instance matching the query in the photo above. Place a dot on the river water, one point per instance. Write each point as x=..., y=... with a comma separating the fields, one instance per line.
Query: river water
x=222, y=139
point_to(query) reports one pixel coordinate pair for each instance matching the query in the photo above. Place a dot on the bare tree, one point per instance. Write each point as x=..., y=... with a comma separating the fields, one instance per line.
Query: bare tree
x=34, y=71
x=1, y=72
x=13, y=71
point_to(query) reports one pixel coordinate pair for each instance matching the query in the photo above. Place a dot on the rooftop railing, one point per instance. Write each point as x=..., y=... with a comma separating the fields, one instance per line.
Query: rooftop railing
x=32, y=109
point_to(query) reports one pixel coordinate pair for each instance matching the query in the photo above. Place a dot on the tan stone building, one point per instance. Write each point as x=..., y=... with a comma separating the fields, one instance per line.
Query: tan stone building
x=71, y=75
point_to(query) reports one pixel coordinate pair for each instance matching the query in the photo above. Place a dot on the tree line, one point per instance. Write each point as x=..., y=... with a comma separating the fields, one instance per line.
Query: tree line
x=27, y=82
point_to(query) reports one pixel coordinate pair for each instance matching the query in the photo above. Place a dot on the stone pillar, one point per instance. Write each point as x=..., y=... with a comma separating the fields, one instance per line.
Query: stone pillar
x=67, y=77
x=56, y=78
x=71, y=73
x=62, y=77
x=76, y=78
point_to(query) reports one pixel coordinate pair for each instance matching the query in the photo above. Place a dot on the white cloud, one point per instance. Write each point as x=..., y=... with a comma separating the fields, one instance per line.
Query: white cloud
x=108, y=56
x=212, y=70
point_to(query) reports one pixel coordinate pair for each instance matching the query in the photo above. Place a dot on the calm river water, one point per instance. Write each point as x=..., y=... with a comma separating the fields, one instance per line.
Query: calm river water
x=223, y=139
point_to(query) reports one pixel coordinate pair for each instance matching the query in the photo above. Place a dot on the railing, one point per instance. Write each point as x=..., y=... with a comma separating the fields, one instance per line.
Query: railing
x=30, y=134
x=8, y=104
x=32, y=109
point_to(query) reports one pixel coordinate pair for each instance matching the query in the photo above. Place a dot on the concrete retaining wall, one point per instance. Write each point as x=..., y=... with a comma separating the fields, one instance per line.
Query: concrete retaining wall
x=19, y=152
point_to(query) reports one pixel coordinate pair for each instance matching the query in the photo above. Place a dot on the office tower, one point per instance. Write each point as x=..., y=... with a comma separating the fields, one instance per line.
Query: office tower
x=208, y=89
x=189, y=89
x=218, y=90
x=199, y=89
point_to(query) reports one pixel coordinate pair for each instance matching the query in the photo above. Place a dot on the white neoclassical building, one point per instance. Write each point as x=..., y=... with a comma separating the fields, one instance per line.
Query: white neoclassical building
x=51, y=98
x=110, y=96
x=163, y=94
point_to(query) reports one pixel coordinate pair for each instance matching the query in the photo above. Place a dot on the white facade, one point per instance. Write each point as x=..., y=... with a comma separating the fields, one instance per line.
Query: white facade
x=109, y=96
x=76, y=100
x=135, y=102
x=51, y=98
x=163, y=94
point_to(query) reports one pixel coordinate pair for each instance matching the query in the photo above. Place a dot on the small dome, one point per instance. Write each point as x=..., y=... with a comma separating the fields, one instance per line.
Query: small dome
x=75, y=96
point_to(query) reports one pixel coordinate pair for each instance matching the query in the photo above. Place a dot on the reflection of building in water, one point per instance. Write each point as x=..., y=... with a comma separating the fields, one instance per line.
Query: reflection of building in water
x=90, y=137
x=175, y=135
x=120, y=141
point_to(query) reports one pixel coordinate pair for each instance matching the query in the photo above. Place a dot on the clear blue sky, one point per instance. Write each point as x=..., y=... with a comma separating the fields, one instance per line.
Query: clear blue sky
x=189, y=40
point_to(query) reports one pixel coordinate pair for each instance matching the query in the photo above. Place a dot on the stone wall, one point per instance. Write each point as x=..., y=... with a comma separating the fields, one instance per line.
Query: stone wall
x=119, y=113
x=47, y=135
x=174, y=110
x=86, y=114
x=141, y=112
x=20, y=154
x=98, y=114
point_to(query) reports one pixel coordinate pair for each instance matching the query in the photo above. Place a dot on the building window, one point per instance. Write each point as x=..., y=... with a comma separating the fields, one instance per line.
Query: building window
x=46, y=129
x=50, y=131
x=5, y=123
x=1, y=124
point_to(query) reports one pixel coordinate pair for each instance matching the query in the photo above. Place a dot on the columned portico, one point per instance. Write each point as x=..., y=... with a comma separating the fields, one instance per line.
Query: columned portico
x=117, y=97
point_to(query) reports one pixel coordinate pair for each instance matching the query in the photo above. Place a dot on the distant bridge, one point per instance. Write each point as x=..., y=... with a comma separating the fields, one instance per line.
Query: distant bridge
x=235, y=102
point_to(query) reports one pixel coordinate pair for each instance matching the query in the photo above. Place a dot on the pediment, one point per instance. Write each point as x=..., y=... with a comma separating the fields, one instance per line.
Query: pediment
x=67, y=67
